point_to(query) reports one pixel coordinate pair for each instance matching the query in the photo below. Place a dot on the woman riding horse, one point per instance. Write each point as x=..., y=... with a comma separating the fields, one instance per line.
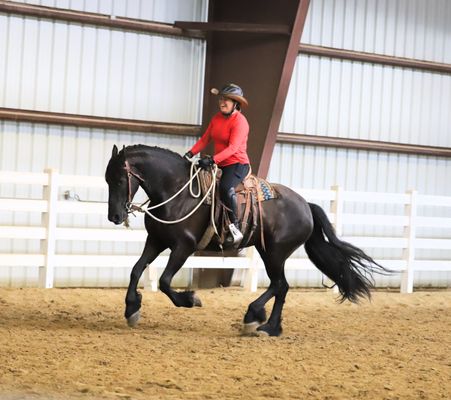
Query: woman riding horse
x=289, y=222
x=229, y=131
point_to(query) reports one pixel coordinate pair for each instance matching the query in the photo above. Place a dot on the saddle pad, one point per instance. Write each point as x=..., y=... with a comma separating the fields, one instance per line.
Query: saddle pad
x=262, y=187
x=265, y=191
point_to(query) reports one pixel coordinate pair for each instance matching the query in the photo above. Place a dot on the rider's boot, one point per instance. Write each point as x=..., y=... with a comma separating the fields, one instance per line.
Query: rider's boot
x=235, y=232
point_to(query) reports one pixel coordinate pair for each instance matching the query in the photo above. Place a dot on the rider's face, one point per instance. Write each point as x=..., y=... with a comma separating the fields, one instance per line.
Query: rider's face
x=225, y=105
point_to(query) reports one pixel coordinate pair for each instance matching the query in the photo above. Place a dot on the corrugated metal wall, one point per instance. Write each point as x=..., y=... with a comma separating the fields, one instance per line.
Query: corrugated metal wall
x=80, y=69
x=66, y=67
x=82, y=151
x=320, y=168
x=357, y=100
x=405, y=28
x=368, y=101
x=150, y=10
x=341, y=98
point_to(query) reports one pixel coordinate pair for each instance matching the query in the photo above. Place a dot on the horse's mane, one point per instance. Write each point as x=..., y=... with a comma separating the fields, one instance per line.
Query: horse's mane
x=145, y=148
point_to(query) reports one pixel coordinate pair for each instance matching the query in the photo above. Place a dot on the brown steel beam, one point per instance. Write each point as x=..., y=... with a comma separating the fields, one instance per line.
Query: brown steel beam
x=359, y=144
x=233, y=27
x=261, y=64
x=283, y=86
x=374, y=58
x=96, y=19
x=197, y=30
x=88, y=121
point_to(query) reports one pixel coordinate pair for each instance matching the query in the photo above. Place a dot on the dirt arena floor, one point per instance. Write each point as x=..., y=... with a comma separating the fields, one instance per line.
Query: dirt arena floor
x=74, y=343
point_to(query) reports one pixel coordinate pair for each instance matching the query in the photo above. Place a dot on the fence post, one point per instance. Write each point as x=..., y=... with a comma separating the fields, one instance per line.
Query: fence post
x=46, y=272
x=151, y=278
x=410, y=211
x=251, y=278
x=336, y=207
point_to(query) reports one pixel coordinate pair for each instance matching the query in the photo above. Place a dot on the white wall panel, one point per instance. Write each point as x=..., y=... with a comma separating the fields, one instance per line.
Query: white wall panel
x=341, y=98
x=311, y=167
x=319, y=168
x=151, y=10
x=367, y=101
x=78, y=151
x=405, y=28
x=81, y=69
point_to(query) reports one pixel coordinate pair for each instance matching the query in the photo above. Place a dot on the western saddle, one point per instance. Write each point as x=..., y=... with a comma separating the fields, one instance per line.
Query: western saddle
x=250, y=194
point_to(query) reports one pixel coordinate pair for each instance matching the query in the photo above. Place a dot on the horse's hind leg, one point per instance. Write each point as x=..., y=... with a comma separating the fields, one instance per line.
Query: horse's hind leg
x=274, y=325
x=133, y=297
x=274, y=264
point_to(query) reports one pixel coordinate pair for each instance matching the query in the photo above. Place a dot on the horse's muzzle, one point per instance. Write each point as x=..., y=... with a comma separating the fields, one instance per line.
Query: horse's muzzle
x=116, y=218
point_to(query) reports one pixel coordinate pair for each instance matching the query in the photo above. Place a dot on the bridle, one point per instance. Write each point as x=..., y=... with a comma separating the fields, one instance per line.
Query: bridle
x=194, y=174
x=130, y=173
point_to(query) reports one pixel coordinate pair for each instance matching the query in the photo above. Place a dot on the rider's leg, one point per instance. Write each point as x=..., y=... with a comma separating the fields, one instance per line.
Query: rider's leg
x=232, y=175
x=232, y=204
x=233, y=215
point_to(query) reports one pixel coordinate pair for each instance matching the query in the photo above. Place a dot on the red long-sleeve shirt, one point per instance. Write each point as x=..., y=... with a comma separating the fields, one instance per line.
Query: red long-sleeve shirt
x=229, y=135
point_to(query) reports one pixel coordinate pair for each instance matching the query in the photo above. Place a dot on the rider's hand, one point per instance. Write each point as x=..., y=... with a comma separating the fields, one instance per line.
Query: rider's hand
x=205, y=162
x=188, y=155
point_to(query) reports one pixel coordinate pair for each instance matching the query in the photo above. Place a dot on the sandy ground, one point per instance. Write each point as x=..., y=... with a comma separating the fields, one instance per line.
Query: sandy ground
x=74, y=343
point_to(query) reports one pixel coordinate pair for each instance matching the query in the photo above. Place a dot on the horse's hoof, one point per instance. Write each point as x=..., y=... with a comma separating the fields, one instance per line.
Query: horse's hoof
x=262, y=333
x=268, y=330
x=250, y=328
x=196, y=301
x=132, y=321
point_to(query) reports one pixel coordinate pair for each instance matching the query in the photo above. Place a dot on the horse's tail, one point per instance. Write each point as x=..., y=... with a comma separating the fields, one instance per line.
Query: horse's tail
x=348, y=266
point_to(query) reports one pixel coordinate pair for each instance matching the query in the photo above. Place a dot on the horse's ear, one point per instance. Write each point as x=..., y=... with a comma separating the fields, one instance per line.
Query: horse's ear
x=114, y=153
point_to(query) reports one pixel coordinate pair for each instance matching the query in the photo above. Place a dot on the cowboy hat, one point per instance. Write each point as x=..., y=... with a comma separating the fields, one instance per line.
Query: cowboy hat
x=233, y=92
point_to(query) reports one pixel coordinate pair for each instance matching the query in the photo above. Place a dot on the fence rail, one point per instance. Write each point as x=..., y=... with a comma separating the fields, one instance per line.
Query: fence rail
x=50, y=206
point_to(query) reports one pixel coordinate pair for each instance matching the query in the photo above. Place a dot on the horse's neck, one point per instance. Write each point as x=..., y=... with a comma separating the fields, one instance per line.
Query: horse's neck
x=161, y=179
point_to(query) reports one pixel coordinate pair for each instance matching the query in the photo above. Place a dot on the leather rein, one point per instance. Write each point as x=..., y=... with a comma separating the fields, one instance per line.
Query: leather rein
x=194, y=174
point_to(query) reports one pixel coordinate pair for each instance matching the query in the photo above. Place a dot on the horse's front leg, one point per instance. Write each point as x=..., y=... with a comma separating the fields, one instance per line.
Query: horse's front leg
x=176, y=260
x=133, y=297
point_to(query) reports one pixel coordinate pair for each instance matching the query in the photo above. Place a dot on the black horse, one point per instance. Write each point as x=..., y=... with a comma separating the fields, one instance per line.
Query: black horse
x=289, y=221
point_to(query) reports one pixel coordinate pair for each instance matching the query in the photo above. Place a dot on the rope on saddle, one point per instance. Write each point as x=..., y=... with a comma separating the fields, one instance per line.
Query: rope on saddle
x=208, y=180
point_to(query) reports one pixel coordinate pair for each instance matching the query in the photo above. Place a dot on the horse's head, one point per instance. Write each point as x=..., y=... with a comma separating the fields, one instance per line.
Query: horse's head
x=122, y=186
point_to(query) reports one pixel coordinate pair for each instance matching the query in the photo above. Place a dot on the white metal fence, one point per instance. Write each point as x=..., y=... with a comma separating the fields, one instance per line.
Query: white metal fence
x=49, y=232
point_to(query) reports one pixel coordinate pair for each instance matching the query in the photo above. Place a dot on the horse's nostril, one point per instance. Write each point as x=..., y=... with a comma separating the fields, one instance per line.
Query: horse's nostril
x=114, y=218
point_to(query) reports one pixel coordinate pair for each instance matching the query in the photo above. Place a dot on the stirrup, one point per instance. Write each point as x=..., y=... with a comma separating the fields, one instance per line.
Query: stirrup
x=236, y=234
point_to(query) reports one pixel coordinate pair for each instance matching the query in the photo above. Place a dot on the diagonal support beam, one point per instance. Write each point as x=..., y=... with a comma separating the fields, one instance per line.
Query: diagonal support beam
x=252, y=43
x=255, y=47
x=282, y=90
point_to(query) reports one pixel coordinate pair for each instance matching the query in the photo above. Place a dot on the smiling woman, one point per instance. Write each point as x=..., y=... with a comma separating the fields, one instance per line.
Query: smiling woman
x=229, y=131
